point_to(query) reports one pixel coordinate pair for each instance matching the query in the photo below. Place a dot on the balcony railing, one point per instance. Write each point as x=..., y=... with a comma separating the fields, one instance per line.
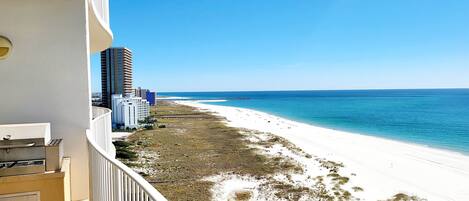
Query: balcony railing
x=111, y=180
x=101, y=130
x=100, y=33
x=101, y=7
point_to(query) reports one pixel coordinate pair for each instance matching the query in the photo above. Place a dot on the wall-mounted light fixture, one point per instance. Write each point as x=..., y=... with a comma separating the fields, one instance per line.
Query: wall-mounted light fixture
x=5, y=47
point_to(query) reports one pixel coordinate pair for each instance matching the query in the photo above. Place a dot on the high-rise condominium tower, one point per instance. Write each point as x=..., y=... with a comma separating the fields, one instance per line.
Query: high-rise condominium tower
x=116, y=73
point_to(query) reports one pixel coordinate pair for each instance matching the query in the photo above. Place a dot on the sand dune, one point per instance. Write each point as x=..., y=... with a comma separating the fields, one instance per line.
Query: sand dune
x=383, y=167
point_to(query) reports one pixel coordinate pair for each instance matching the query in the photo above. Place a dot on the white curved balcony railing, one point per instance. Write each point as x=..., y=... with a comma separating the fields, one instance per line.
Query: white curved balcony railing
x=111, y=180
x=99, y=28
x=101, y=8
x=101, y=130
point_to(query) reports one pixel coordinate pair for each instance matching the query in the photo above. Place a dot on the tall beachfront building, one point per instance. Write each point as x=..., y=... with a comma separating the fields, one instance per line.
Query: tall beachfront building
x=47, y=45
x=116, y=73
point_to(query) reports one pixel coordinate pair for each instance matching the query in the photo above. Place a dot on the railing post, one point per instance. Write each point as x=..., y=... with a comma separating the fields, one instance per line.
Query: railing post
x=117, y=196
x=91, y=171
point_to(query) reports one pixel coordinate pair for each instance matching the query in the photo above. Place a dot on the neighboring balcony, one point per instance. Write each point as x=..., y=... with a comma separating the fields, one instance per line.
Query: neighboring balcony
x=111, y=180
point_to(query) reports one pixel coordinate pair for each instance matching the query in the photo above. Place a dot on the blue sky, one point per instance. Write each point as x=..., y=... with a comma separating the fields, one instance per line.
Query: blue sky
x=231, y=45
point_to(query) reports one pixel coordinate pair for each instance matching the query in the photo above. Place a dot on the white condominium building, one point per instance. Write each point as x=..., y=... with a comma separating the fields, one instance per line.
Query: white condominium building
x=143, y=109
x=124, y=112
x=127, y=111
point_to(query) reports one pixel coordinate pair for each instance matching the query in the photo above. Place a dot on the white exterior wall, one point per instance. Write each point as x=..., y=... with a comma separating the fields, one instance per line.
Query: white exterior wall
x=126, y=110
x=24, y=131
x=143, y=107
x=47, y=76
x=130, y=115
x=116, y=101
x=139, y=110
x=144, y=110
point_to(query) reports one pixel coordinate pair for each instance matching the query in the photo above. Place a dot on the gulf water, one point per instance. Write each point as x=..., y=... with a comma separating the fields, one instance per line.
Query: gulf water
x=433, y=117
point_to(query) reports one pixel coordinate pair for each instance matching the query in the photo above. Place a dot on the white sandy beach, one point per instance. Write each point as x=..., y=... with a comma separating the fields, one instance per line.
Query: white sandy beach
x=382, y=167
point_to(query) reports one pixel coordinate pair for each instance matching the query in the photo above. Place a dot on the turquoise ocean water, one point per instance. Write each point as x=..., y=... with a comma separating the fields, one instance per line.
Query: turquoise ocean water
x=433, y=117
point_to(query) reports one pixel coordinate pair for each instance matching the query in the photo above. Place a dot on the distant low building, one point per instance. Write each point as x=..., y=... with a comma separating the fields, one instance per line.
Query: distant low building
x=151, y=98
x=139, y=92
x=124, y=112
x=128, y=111
x=143, y=108
x=145, y=94
x=96, y=99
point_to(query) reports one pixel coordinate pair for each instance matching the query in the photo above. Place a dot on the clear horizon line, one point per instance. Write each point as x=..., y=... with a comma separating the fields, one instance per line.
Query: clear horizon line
x=356, y=89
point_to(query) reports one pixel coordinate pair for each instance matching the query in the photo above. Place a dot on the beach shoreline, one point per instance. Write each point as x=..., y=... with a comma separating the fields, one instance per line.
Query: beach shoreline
x=197, y=156
x=383, y=167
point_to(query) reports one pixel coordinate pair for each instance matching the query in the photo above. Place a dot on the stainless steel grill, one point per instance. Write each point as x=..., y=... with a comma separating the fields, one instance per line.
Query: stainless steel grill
x=28, y=156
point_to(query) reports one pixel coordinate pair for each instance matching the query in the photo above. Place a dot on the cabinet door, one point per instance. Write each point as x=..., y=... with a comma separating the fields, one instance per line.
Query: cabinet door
x=31, y=196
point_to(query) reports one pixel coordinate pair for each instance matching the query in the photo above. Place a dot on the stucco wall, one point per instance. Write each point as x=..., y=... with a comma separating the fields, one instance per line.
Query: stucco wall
x=47, y=76
x=21, y=131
